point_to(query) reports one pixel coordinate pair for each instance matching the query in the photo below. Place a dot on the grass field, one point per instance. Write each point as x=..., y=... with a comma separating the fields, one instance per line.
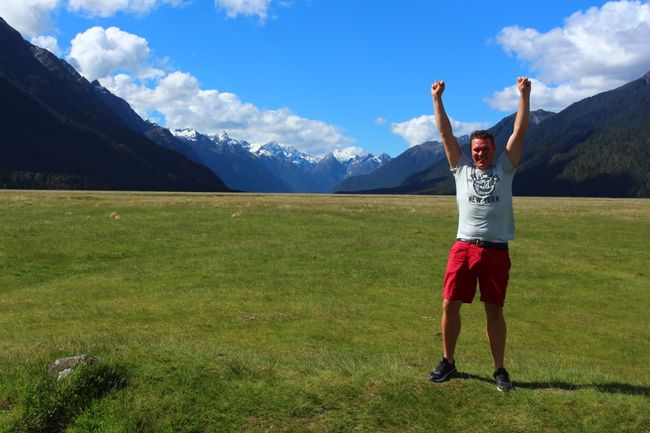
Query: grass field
x=290, y=313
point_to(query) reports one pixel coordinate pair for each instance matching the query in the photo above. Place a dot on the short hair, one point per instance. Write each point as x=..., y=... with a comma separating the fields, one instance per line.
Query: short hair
x=483, y=135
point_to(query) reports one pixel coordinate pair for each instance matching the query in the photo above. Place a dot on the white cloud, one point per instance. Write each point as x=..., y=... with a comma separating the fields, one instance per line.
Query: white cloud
x=423, y=128
x=98, y=52
x=233, y=8
x=179, y=98
x=552, y=98
x=106, y=8
x=34, y=17
x=596, y=50
x=50, y=43
x=380, y=121
x=29, y=17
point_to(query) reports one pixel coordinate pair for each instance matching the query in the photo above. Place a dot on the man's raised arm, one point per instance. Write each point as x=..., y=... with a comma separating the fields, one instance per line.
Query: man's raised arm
x=452, y=149
x=516, y=140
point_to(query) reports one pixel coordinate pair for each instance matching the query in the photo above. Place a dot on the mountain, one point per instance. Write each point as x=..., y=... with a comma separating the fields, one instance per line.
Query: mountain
x=232, y=159
x=328, y=171
x=393, y=172
x=362, y=165
x=338, y=165
x=289, y=165
x=307, y=173
x=287, y=153
x=163, y=137
x=58, y=132
x=273, y=167
x=596, y=147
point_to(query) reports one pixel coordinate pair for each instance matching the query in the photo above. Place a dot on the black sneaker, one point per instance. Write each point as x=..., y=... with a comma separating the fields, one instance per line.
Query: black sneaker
x=443, y=371
x=502, y=379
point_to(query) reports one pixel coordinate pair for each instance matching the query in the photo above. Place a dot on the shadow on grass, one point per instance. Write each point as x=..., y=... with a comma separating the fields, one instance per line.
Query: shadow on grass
x=611, y=387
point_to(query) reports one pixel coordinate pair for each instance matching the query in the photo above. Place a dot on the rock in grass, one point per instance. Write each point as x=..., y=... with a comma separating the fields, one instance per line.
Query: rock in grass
x=62, y=367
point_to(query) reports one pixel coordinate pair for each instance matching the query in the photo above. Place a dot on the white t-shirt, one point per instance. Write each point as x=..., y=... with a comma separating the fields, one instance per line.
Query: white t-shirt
x=484, y=199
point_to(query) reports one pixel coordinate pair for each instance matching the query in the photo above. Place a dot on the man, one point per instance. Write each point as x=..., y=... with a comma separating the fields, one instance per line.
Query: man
x=485, y=225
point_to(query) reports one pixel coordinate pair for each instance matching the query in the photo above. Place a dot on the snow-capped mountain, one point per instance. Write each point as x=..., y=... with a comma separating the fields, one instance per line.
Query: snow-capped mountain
x=274, y=167
x=366, y=164
x=287, y=153
x=395, y=171
x=222, y=138
x=339, y=165
x=240, y=169
x=343, y=155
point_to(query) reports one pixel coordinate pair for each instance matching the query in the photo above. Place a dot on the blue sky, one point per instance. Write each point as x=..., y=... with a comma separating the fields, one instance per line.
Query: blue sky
x=330, y=74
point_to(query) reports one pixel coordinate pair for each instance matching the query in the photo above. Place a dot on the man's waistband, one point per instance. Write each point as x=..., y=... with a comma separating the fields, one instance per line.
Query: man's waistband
x=485, y=244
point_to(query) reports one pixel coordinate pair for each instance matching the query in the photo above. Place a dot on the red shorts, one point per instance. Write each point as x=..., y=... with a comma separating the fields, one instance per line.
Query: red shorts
x=469, y=263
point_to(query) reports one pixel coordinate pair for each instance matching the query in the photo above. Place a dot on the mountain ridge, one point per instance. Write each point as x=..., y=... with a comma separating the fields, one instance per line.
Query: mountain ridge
x=274, y=167
x=236, y=165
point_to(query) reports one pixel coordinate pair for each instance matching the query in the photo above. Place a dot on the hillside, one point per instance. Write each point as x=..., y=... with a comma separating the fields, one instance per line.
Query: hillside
x=57, y=132
x=596, y=147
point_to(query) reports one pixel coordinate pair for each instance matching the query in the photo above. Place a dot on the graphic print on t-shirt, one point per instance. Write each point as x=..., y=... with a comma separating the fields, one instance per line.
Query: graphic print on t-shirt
x=483, y=184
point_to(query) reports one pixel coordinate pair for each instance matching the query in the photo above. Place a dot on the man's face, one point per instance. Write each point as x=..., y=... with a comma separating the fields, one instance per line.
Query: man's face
x=482, y=153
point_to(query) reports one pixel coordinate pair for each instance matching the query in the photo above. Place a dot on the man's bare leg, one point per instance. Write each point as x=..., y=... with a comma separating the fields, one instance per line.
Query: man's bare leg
x=496, y=333
x=450, y=327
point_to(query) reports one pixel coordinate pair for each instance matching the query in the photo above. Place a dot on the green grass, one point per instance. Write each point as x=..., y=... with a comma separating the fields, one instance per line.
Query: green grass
x=310, y=313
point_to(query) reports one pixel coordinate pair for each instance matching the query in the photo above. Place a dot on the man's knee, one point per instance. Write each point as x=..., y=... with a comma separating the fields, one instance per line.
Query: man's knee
x=451, y=307
x=493, y=312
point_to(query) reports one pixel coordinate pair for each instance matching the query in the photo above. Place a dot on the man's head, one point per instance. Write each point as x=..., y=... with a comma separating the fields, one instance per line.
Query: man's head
x=483, y=149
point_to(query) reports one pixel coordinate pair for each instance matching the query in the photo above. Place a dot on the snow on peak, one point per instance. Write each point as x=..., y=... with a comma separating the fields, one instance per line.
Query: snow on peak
x=272, y=148
x=284, y=152
x=383, y=158
x=353, y=158
x=223, y=138
x=186, y=133
x=345, y=155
